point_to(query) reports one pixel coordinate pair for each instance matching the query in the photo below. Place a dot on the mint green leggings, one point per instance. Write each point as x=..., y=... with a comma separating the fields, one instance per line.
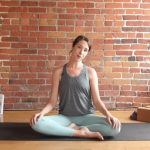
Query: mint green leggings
x=58, y=125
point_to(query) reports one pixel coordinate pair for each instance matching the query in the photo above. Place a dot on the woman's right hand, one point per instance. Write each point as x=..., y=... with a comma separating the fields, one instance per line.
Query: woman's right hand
x=35, y=118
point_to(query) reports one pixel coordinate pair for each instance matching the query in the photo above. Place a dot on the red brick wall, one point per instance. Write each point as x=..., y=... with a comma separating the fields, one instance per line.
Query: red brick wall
x=36, y=36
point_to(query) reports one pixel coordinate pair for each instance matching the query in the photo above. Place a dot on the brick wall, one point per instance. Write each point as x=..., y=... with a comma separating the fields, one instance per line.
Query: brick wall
x=36, y=37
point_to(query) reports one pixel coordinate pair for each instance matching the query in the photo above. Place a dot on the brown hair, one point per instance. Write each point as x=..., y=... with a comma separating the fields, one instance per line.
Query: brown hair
x=80, y=38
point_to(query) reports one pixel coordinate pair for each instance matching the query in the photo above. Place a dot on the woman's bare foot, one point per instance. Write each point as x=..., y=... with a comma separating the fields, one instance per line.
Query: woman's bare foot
x=86, y=133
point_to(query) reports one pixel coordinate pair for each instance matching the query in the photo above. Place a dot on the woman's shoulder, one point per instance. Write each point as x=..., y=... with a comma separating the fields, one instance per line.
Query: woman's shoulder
x=58, y=70
x=91, y=72
x=90, y=69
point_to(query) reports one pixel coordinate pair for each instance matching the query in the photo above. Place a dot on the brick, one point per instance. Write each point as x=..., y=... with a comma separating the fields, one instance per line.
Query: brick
x=4, y=56
x=85, y=5
x=18, y=9
x=47, y=4
x=124, y=99
x=11, y=81
x=110, y=53
x=107, y=23
x=40, y=63
x=19, y=45
x=111, y=17
x=121, y=81
x=8, y=106
x=19, y=57
x=19, y=33
x=93, y=57
x=10, y=63
x=125, y=87
x=29, y=87
x=25, y=3
x=33, y=22
x=46, y=52
x=48, y=16
x=111, y=93
x=30, y=28
x=110, y=64
x=47, y=28
x=39, y=94
x=107, y=11
x=9, y=75
x=128, y=40
x=108, y=35
x=120, y=35
x=120, y=69
x=3, y=81
x=119, y=23
x=141, y=99
x=119, y=11
x=134, y=70
x=29, y=16
x=38, y=69
x=113, y=5
x=38, y=34
x=140, y=88
x=4, y=69
x=121, y=47
x=134, y=11
x=27, y=39
x=130, y=5
x=143, y=18
x=4, y=9
x=38, y=46
x=12, y=100
x=47, y=75
x=24, y=100
x=100, y=5
x=46, y=40
x=36, y=81
x=9, y=3
x=37, y=57
x=94, y=35
x=31, y=75
x=146, y=12
x=113, y=75
x=10, y=27
x=4, y=44
x=129, y=17
x=131, y=35
x=141, y=53
x=111, y=41
x=10, y=39
x=18, y=69
x=85, y=17
x=56, y=10
x=45, y=88
x=23, y=106
x=142, y=76
x=101, y=29
x=66, y=29
x=66, y=4
x=37, y=10
x=80, y=11
x=134, y=23
x=9, y=15
x=106, y=81
x=127, y=75
x=10, y=88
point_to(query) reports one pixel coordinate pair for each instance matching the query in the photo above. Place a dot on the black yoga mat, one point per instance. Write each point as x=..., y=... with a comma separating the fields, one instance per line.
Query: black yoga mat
x=23, y=132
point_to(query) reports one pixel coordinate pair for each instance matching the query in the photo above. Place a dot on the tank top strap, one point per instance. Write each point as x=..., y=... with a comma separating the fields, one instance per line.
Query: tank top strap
x=64, y=69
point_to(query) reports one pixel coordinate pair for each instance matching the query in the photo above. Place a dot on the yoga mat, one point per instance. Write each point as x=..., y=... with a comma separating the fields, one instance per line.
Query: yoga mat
x=23, y=132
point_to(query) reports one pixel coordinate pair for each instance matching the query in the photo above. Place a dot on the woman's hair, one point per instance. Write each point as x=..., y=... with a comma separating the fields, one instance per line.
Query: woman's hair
x=80, y=38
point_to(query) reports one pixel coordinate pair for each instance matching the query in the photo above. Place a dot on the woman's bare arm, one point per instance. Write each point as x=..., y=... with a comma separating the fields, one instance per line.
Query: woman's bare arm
x=54, y=91
x=95, y=92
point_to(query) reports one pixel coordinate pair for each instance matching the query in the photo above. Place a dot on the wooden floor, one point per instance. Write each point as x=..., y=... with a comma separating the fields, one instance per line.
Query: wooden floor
x=24, y=116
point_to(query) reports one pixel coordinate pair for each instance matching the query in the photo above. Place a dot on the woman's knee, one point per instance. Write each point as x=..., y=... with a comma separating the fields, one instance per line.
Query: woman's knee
x=115, y=131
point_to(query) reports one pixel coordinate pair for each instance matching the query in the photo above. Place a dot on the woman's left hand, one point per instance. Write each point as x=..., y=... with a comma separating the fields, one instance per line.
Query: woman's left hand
x=113, y=121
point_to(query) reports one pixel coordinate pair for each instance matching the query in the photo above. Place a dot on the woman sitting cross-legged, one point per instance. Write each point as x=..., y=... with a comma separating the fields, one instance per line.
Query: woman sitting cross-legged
x=77, y=87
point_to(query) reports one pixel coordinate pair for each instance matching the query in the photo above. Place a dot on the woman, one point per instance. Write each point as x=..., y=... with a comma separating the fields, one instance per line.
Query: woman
x=77, y=87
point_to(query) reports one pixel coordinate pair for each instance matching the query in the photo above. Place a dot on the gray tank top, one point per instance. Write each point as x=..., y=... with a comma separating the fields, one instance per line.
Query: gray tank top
x=75, y=94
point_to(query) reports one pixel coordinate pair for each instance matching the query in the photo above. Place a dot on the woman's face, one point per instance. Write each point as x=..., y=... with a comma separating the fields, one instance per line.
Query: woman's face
x=80, y=50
